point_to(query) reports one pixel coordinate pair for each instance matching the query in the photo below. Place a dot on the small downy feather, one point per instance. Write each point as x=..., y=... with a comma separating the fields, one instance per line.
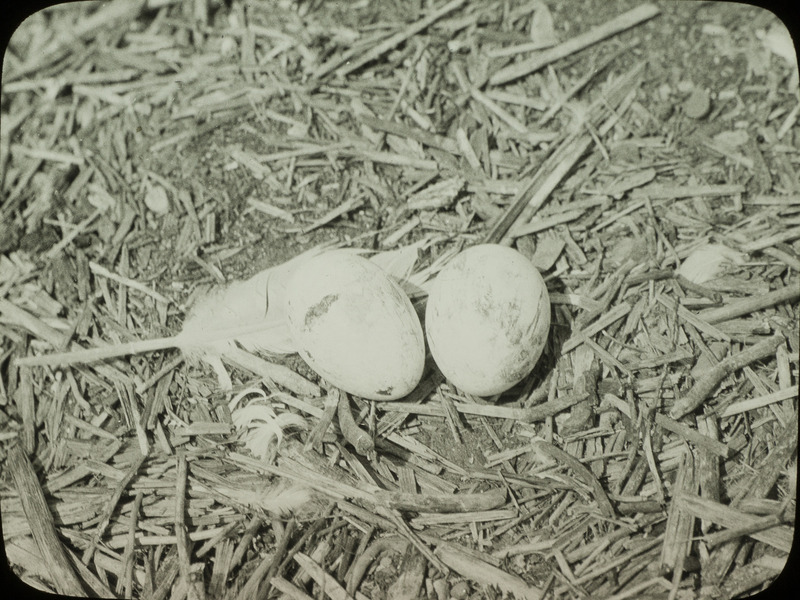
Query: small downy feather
x=261, y=427
x=283, y=498
x=709, y=262
x=278, y=497
x=262, y=431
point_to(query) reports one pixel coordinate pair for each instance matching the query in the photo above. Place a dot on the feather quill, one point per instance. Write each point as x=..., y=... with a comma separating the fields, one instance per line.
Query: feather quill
x=239, y=312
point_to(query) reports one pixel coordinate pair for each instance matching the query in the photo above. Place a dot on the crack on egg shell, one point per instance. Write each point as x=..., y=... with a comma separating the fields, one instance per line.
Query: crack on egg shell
x=319, y=309
x=387, y=391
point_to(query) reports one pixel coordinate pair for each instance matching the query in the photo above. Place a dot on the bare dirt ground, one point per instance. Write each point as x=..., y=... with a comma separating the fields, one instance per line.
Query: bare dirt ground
x=644, y=156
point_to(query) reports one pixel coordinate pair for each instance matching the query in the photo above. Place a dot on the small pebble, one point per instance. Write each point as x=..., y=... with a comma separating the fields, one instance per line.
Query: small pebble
x=440, y=589
x=734, y=139
x=227, y=46
x=626, y=153
x=156, y=200
x=106, y=228
x=698, y=104
x=663, y=110
x=460, y=590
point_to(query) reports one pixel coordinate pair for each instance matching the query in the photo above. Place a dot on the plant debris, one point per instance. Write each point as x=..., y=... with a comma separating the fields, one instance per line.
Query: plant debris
x=163, y=161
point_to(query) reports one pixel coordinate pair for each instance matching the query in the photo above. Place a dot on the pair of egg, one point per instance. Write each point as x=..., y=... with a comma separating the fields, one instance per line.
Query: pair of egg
x=486, y=320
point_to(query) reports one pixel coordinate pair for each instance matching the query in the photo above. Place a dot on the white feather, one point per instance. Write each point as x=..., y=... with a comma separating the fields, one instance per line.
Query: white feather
x=400, y=263
x=261, y=427
x=252, y=314
x=280, y=498
x=249, y=312
x=283, y=499
x=709, y=262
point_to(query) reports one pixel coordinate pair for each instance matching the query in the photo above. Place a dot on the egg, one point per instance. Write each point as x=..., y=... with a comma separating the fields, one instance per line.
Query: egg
x=355, y=326
x=487, y=319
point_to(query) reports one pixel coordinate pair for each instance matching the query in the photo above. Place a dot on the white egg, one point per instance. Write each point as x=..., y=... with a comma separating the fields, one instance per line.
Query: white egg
x=355, y=326
x=487, y=319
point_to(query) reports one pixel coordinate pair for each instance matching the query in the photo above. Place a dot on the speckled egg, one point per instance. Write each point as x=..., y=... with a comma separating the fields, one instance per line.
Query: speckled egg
x=355, y=326
x=487, y=319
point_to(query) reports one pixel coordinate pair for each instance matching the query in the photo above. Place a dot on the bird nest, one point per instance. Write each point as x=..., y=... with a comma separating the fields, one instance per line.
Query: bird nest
x=156, y=155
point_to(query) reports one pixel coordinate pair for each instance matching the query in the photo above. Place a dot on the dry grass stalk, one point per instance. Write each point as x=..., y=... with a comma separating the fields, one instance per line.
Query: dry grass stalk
x=622, y=22
x=357, y=437
x=680, y=525
x=195, y=590
x=328, y=583
x=41, y=525
x=701, y=390
x=751, y=305
x=486, y=574
x=125, y=583
x=581, y=471
x=111, y=506
x=779, y=537
x=537, y=189
x=399, y=38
